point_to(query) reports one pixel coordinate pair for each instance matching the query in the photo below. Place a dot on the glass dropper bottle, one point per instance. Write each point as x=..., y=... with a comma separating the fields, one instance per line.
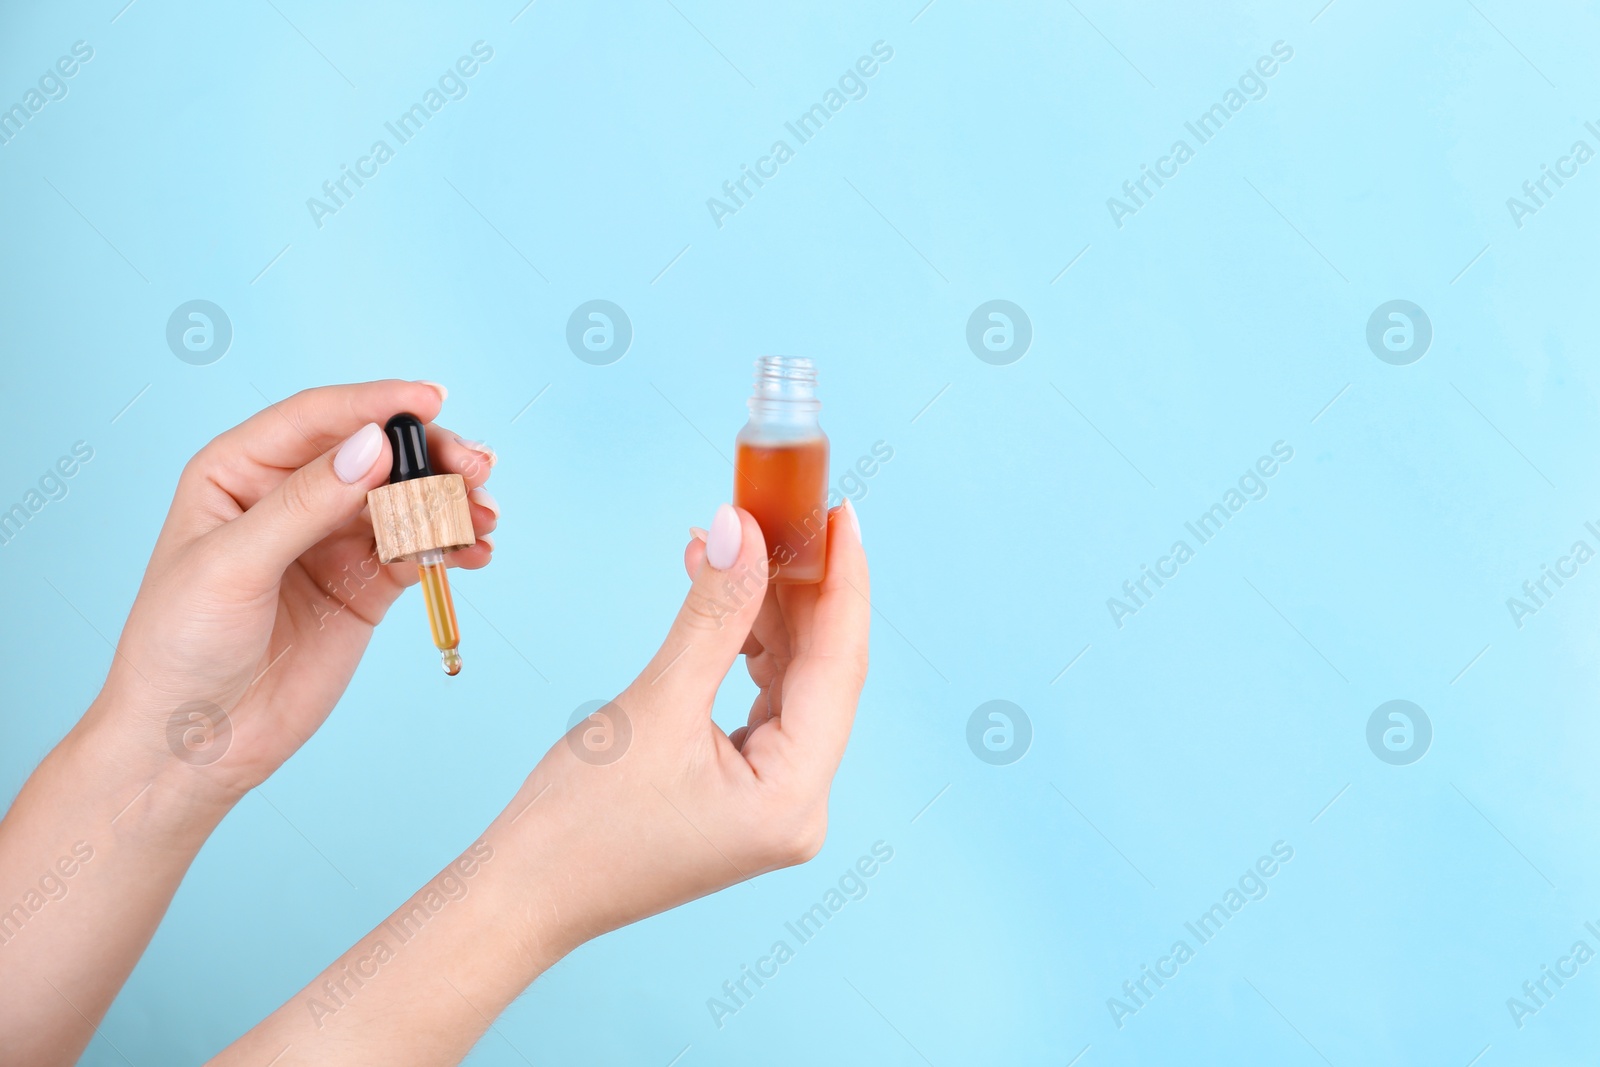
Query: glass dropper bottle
x=781, y=473
x=408, y=440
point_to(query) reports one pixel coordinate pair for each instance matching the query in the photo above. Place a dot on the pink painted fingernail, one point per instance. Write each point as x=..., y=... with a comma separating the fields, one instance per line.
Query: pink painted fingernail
x=357, y=455
x=480, y=447
x=444, y=394
x=724, y=539
x=484, y=499
x=855, y=523
x=697, y=533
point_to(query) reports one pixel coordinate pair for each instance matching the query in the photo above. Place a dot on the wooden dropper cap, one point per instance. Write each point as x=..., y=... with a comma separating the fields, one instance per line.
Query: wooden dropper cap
x=418, y=511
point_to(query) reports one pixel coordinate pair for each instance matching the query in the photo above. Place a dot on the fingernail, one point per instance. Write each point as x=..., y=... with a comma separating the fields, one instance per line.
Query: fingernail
x=855, y=523
x=444, y=394
x=484, y=499
x=722, y=543
x=479, y=446
x=486, y=541
x=357, y=455
x=697, y=533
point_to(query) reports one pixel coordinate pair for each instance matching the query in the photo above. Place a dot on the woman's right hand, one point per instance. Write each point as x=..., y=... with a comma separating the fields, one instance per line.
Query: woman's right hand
x=644, y=805
x=648, y=804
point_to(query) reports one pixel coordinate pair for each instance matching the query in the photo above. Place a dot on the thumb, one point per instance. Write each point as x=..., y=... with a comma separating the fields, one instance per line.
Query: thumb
x=716, y=616
x=306, y=507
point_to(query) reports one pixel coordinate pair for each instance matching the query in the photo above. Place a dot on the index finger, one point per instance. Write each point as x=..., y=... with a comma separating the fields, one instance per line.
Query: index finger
x=291, y=433
x=825, y=678
x=250, y=459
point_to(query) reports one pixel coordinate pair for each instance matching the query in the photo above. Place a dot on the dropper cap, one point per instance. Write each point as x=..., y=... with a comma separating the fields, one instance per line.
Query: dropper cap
x=408, y=441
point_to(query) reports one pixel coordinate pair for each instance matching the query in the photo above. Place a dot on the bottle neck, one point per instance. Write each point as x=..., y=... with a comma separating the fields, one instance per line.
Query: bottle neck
x=785, y=394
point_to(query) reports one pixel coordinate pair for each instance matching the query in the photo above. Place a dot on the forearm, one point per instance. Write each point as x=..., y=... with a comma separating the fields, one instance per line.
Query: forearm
x=91, y=854
x=641, y=807
x=422, y=987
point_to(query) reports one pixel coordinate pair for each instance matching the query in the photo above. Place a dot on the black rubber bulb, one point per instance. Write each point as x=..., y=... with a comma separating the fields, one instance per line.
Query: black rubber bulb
x=408, y=440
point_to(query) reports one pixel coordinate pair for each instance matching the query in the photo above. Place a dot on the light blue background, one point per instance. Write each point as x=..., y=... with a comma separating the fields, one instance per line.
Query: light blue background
x=1223, y=317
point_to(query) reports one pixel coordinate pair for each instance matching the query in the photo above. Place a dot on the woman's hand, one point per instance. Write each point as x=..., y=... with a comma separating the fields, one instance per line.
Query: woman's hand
x=264, y=585
x=647, y=803
x=644, y=805
x=258, y=601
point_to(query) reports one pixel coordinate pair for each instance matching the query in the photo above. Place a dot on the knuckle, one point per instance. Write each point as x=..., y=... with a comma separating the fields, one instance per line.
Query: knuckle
x=202, y=462
x=702, y=610
x=798, y=840
x=714, y=597
x=857, y=663
x=850, y=665
x=861, y=663
x=712, y=600
x=299, y=497
x=298, y=408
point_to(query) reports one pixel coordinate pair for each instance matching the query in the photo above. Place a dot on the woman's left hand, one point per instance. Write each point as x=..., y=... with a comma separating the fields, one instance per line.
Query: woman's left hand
x=264, y=585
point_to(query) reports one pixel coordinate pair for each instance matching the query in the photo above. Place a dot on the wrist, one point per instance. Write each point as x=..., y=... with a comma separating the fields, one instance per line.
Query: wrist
x=545, y=877
x=140, y=783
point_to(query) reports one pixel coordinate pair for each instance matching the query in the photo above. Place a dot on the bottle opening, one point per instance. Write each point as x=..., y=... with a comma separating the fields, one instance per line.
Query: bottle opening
x=785, y=378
